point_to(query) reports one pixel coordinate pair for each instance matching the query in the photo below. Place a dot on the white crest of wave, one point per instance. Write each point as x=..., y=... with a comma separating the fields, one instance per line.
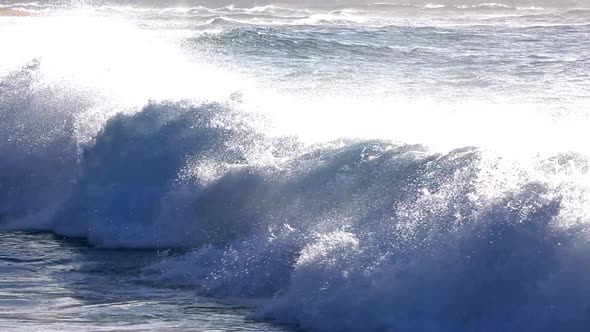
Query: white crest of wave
x=111, y=56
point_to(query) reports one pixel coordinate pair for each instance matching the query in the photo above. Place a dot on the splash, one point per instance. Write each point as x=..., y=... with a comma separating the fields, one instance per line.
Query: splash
x=336, y=204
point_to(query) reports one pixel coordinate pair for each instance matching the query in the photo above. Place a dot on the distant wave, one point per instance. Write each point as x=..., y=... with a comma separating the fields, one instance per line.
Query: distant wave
x=278, y=14
x=582, y=12
x=372, y=14
x=481, y=6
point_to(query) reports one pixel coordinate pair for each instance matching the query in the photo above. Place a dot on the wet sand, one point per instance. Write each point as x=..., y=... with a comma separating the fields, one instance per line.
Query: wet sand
x=12, y=12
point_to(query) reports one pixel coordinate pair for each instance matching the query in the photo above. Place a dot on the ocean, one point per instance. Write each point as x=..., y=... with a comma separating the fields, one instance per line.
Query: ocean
x=344, y=165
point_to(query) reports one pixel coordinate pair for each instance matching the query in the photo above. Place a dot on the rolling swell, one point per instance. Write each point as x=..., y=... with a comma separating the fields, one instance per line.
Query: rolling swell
x=385, y=236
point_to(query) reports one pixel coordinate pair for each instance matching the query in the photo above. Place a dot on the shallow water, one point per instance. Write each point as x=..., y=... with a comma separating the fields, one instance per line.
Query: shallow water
x=49, y=283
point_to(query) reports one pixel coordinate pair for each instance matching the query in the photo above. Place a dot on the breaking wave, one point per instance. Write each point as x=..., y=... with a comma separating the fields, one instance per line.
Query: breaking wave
x=339, y=235
x=387, y=236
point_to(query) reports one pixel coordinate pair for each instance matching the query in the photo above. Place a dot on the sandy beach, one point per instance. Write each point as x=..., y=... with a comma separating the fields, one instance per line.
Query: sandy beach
x=12, y=12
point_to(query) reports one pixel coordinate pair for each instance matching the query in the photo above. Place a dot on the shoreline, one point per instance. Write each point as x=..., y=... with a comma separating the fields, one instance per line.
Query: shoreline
x=13, y=12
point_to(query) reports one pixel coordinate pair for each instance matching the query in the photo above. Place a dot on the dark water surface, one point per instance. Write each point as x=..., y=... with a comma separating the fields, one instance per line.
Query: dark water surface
x=48, y=283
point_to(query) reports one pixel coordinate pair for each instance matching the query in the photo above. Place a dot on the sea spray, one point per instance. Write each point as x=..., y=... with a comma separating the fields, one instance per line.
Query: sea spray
x=341, y=169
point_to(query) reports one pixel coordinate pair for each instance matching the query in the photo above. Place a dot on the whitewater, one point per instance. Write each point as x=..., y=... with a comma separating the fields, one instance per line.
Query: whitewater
x=345, y=165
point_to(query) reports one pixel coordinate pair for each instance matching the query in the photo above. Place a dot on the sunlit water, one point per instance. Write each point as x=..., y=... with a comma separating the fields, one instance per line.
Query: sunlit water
x=343, y=166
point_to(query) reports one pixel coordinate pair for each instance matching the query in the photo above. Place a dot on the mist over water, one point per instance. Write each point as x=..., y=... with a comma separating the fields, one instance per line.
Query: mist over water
x=343, y=166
